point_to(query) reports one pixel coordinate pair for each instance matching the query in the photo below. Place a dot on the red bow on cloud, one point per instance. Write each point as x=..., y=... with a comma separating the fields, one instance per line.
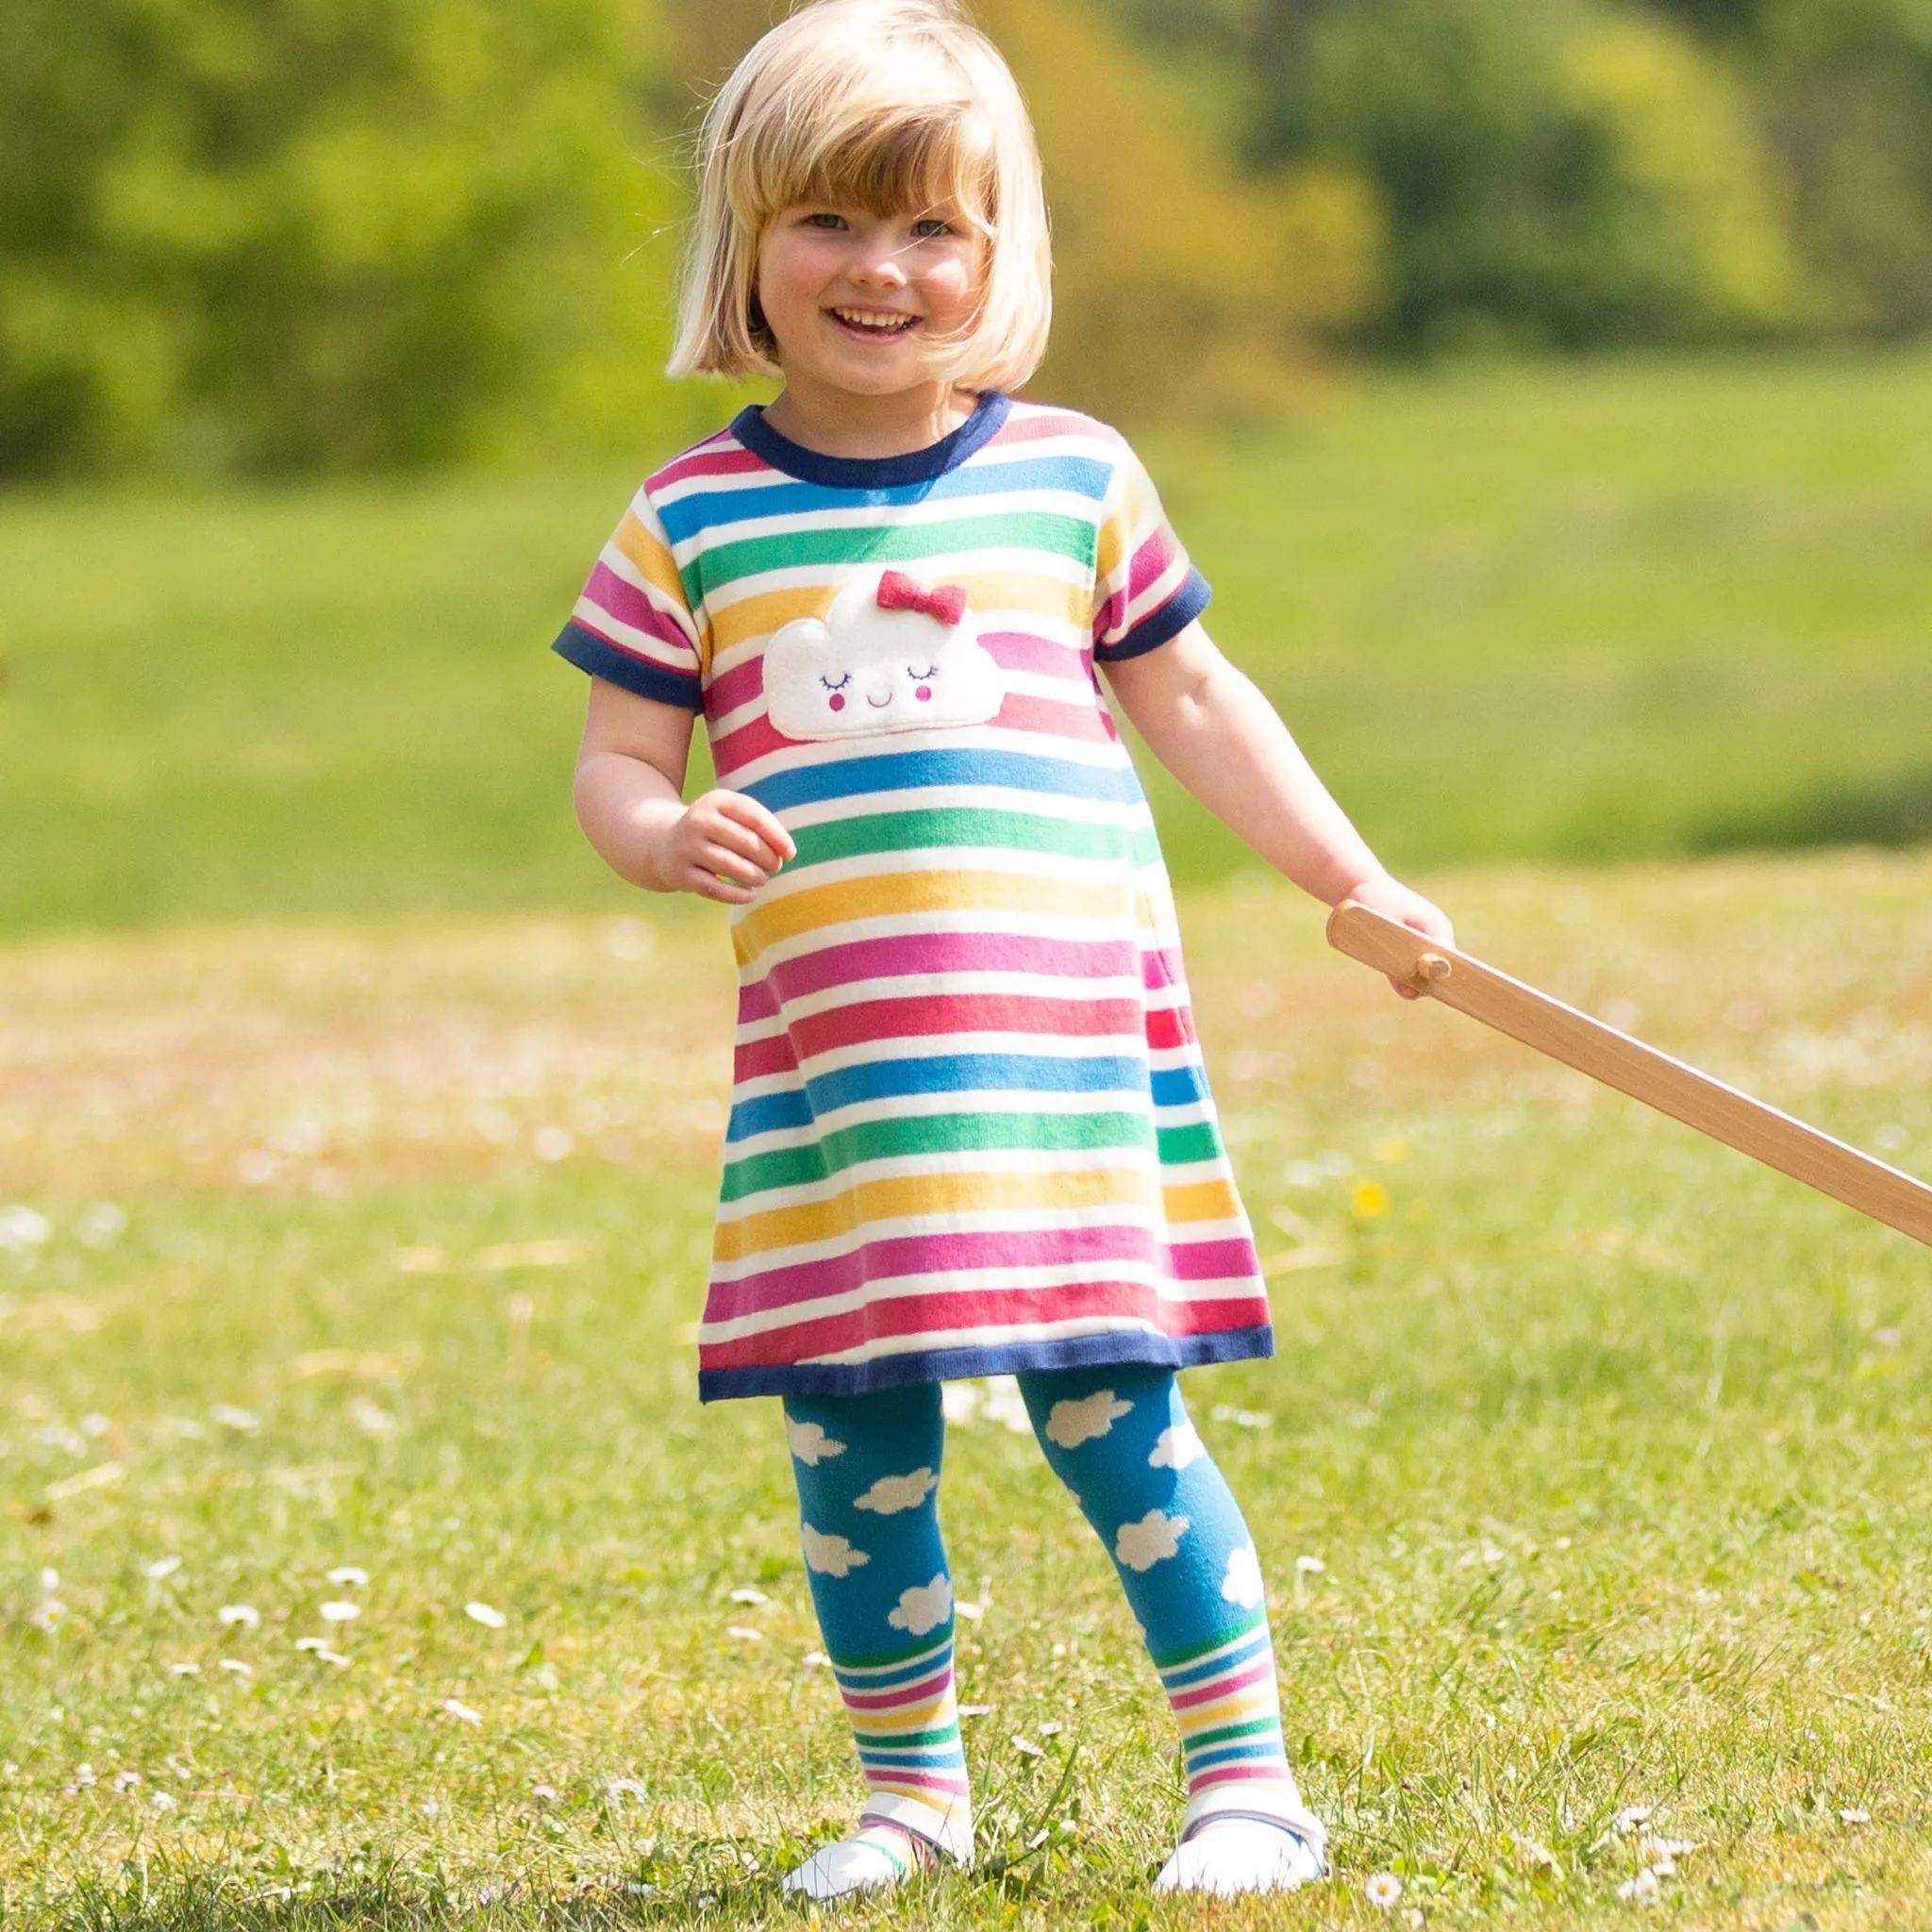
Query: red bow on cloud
x=897, y=592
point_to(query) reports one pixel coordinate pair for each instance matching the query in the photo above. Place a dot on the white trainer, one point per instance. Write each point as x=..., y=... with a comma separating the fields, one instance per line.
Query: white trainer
x=873, y=1859
x=1228, y=1857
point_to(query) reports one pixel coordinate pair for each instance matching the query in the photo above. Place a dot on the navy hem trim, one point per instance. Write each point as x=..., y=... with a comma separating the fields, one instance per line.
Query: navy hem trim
x=1010, y=1359
x=601, y=658
x=1160, y=625
x=871, y=473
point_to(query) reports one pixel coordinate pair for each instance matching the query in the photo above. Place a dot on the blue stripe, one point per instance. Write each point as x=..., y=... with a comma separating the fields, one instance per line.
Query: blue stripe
x=1217, y=1667
x=1158, y=626
x=1264, y=1746
x=708, y=509
x=910, y=770
x=765, y=1113
x=936, y=1756
x=589, y=652
x=958, y=1073
x=1179, y=1085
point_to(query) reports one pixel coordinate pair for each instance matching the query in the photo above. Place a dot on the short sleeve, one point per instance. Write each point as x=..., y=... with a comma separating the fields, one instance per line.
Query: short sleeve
x=633, y=624
x=1144, y=589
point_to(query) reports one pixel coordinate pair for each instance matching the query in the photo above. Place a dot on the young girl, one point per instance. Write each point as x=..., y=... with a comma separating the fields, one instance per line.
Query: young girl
x=971, y=1132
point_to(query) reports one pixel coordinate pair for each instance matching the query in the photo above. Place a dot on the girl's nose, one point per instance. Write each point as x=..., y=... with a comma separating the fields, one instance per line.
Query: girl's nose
x=878, y=268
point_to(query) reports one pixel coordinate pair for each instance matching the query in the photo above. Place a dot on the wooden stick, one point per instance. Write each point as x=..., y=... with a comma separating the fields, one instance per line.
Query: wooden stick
x=1633, y=1068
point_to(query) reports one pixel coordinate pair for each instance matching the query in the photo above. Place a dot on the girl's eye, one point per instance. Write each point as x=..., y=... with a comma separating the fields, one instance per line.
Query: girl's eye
x=838, y=684
x=825, y=220
x=919, y=677
x=931, y=227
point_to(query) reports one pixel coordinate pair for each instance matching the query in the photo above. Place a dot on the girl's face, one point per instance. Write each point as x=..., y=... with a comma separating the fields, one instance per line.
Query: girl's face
x=871, y=305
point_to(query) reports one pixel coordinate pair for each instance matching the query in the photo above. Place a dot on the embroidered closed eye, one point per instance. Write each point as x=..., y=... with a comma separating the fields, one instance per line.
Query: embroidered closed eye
x=835, y=683
x=920, y=676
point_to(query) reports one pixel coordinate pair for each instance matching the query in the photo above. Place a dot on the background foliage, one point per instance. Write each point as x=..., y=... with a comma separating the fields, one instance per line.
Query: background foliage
x=270, y=235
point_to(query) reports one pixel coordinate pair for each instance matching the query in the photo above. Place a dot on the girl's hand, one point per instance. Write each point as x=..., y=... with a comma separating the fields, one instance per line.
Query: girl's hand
x=723, y=847
x=1394, y=900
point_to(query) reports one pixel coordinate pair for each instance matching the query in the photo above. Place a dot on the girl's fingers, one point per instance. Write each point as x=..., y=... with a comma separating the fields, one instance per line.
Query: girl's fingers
x=707, y=885
x=743, y=839
x=734, y=866
x=749, y=813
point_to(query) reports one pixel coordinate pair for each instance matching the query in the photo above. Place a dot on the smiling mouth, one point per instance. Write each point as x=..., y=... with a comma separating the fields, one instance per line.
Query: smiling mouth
x=880, y=704
x=873, y=325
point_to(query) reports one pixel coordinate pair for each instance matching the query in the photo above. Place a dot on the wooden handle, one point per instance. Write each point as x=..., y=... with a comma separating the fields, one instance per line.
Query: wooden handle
x=1631, y=1067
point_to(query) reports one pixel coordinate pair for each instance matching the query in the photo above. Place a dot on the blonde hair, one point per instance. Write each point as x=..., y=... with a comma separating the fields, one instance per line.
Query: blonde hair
x=887, y=105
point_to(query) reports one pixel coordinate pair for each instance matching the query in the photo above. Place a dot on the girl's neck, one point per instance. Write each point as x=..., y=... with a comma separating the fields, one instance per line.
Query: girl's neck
x=837, y=423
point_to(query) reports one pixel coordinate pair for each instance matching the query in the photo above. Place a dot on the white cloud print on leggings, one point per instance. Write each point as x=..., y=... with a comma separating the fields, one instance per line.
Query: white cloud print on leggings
x=892, y=655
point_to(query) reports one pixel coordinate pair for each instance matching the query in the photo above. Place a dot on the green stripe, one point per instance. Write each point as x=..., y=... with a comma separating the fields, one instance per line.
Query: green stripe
x=943, y=827
x=1205, y=1740
x=1179, y=1145
x=1193, y=1655
x=872, y=1743
x=952, y=1133
x=888, y=543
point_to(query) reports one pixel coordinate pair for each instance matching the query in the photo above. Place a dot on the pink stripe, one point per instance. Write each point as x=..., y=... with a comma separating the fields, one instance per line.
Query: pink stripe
x=756, y=1001
x=1021, y=651
x=996, y=1309
x=987, y=1250
x=1233, y=1259
x=1031, y=428
x=1161, y=967
x=1151, y=562
x=1236, y=1774
x=737, y=687
x=717, y=456
x=852, y=961
x=922, y=1692
x=1218, y=1687
x=753, y=1059
x=925, y=1780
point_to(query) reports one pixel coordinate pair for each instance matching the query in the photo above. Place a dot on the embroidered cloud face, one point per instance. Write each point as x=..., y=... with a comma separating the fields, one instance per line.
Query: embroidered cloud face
x=890, y=656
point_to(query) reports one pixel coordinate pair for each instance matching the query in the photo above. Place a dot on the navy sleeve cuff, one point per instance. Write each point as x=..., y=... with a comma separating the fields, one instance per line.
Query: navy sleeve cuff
x=1158, y=626
x=601, y=658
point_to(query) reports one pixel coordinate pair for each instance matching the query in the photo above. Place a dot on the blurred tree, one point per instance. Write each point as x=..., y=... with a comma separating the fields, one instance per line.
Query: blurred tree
x=265, y=234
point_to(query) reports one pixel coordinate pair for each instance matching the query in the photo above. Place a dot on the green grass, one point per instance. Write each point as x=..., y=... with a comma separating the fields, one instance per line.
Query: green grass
x=1573, y=613
x=1612, y=1449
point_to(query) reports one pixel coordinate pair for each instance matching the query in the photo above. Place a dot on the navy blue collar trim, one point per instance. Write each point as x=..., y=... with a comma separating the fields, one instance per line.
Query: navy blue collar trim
x=871, y=473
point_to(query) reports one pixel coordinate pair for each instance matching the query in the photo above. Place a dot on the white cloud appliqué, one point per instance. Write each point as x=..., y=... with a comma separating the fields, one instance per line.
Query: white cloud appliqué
x=1242, y=1583
x=1151, y=1541
x=1069, y=1424
x=893, y=1493
x=1177, y=1447
x=810, y=1443
x=830, y=1555
x=866, y=669
x=924, y=1607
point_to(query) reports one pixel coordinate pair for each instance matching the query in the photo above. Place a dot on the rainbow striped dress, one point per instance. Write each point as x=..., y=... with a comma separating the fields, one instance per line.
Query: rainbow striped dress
x=970, y=1131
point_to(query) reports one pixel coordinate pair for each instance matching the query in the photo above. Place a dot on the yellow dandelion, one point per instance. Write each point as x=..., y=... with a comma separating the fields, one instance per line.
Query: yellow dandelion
x=1369, y=1200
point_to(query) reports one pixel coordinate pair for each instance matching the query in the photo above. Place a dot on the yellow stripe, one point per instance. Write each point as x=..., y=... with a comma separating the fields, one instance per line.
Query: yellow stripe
x=1202, y=1201
x=892, y=894
x=759, y=615
x=1241, y=1709
x=921, y=1195
x=646, y=553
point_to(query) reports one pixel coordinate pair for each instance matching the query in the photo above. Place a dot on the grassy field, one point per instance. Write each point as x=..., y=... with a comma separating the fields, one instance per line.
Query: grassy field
x=1573, y=613
x=1594, y=1472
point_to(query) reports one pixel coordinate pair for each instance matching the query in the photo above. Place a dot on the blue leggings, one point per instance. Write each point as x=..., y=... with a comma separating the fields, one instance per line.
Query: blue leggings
x=868, y=1471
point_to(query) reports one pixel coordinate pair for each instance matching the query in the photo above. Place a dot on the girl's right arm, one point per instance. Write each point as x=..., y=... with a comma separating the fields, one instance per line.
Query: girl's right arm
x=630, y=795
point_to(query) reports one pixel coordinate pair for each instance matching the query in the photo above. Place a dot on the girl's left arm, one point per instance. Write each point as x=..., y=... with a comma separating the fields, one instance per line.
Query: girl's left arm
x=1209, y=726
